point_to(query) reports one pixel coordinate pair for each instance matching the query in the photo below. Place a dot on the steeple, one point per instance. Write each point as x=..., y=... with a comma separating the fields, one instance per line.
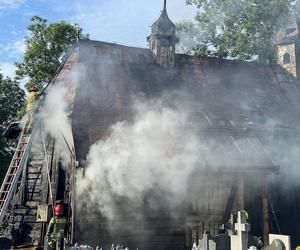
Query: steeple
x=288, y=46
x=163, y=39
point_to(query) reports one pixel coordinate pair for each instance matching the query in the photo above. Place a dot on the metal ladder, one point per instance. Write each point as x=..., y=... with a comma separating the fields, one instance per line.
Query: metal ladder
x=14, y=171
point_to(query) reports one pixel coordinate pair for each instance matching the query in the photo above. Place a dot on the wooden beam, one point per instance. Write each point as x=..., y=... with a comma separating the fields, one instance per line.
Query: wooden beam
x=266, y=226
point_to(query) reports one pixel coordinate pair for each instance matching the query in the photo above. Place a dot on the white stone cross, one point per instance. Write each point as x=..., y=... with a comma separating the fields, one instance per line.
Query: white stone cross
x=239, y=240
x=242, y=225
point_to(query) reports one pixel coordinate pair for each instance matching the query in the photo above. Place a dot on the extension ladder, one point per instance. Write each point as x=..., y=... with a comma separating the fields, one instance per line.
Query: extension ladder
x=14, y=171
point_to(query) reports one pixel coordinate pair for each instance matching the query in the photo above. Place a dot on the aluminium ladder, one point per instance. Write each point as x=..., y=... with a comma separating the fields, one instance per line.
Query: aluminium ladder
x=14, y=171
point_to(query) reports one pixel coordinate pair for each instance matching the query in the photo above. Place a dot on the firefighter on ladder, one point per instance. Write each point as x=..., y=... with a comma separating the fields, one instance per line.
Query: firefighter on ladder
x=31, y=101
x=57, y=225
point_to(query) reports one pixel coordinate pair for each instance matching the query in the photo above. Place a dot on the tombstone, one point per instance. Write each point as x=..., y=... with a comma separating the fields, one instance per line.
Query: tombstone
x=276, y=245
x=252, y=248
x=212, y=245
x=222, y=241
x=286, y=239
x=230, y=225
x=195, y=247
x=239, y=237
x=206, y=243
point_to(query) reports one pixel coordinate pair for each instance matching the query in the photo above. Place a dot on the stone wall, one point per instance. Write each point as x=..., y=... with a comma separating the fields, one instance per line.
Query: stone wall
x=288, y=51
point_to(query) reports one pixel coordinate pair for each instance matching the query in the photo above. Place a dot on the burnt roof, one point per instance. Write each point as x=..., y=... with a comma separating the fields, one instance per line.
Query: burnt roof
x=235, y=101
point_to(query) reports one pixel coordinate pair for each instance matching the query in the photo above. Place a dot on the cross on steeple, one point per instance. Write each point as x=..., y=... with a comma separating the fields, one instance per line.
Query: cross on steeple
x=165, y=5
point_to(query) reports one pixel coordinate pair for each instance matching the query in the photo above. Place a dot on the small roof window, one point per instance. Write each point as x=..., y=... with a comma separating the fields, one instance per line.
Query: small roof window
x=286, y=58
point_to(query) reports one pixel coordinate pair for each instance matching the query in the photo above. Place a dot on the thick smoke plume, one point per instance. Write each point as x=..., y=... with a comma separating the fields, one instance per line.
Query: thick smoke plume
x=160, y=149
x=55, y=120
x=56, y=110
x=154, y=150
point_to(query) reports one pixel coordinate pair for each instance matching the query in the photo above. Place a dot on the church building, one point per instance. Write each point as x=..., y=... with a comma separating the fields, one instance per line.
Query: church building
x=247, y=115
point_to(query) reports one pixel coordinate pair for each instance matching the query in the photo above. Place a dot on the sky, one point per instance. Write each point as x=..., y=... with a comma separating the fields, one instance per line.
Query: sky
x=121, y=21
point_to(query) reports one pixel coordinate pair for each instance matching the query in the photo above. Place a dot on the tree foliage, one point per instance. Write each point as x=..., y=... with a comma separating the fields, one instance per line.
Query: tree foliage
x=11, y=102
x=241, y=29
x=46, y=47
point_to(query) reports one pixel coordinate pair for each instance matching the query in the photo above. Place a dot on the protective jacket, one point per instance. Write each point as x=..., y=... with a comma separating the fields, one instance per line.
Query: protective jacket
x=31, y=98
x=56, y=224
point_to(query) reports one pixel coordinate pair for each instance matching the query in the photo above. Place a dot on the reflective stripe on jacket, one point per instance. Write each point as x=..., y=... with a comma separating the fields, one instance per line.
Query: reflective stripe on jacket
x=56, y=224
x=31, y=98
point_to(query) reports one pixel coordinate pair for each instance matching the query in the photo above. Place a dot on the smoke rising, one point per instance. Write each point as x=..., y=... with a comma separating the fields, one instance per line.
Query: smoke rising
x=153, y=150
x=161, y=149
x=56, y=110
x=54, y=116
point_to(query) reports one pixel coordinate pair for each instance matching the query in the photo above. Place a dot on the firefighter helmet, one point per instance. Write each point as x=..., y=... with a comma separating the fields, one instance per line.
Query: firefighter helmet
x=58, y=210
x=34, y=88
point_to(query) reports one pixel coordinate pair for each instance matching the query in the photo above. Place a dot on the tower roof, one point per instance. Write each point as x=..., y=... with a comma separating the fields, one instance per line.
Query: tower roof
x=163, y=25
x=289, y=32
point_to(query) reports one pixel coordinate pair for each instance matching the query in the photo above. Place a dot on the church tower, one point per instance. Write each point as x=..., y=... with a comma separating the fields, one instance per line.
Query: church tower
x=163, y=39
x=287, y=46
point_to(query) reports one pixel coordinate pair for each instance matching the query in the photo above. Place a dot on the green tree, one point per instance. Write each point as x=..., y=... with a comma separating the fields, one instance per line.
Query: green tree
x=240, y=29
x=11, y=102
x=46, y=47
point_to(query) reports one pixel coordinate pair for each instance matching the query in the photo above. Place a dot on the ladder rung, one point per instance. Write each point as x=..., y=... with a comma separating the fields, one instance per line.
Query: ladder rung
x=11, y=174
x=21, y=150
x=4, y=191
x=23, y=142
x=18, y=158
x=14, y=166
x=8, y=183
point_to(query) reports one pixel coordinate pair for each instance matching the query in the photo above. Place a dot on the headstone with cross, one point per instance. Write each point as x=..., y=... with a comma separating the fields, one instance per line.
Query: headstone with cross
x=239, y=238
x=206, y=243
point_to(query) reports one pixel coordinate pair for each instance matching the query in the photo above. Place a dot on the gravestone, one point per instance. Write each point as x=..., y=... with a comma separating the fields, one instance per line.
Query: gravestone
x=206, y=243
x=286, y=239
x=236, y=237
x=252, y=248
x=276, y=245
x=222, y=242
x=239, y=237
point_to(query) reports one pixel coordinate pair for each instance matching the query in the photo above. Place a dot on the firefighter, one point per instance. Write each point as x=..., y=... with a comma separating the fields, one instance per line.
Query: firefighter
x=31, y=101
x=56, y=225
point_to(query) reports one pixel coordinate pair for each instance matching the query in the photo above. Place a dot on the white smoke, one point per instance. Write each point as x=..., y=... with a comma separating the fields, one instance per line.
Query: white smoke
x=151, y=151
x=56, y=110
x=54, y=116
x=54, y=113
x=159, y=149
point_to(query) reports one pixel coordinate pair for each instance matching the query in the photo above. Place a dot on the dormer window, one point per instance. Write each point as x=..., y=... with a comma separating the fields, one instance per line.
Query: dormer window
x=286, y=58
